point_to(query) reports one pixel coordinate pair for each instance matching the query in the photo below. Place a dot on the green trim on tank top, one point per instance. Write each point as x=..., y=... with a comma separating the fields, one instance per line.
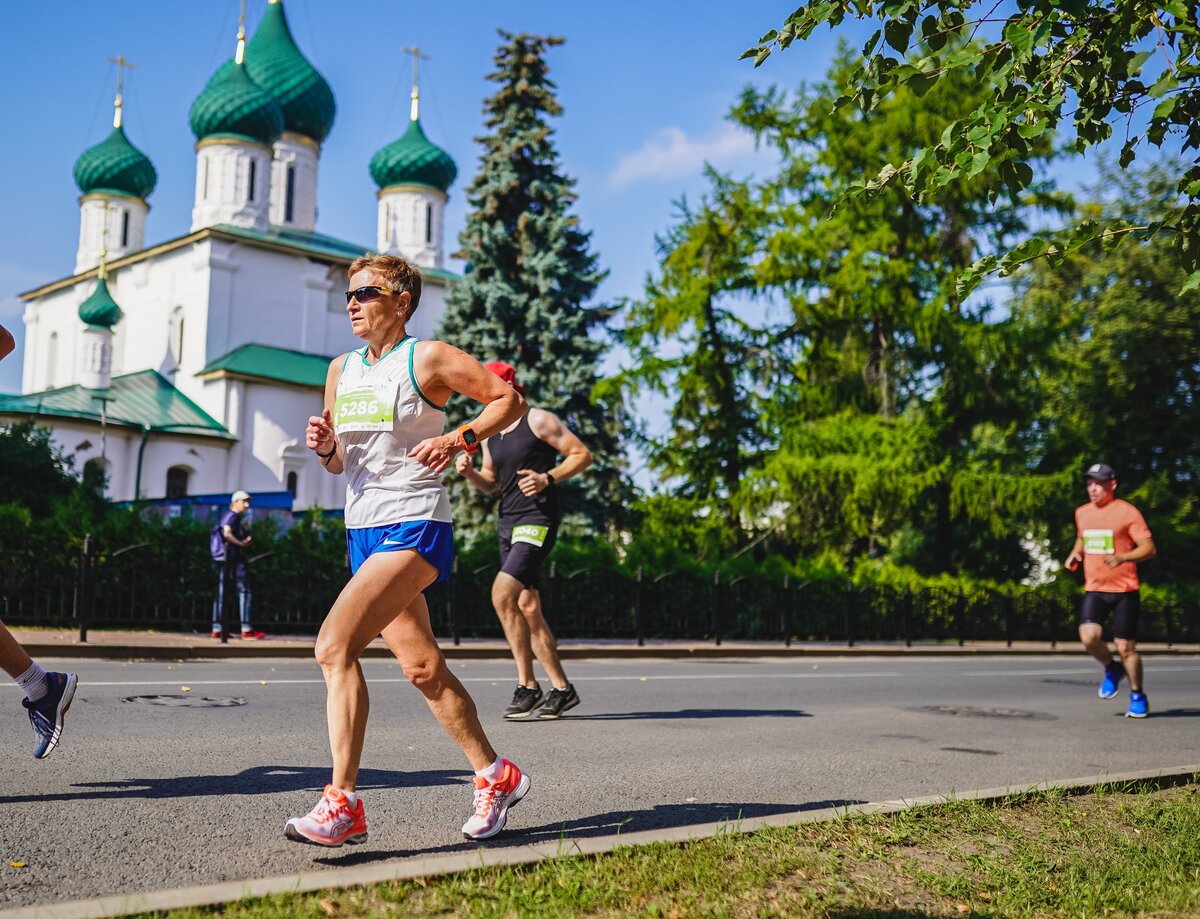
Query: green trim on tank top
x=413, y=376
x=394, y=347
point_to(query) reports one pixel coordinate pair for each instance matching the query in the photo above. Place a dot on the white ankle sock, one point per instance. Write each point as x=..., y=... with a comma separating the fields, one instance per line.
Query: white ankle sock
x=34, y=682
x=351, y=796
x=493, y=772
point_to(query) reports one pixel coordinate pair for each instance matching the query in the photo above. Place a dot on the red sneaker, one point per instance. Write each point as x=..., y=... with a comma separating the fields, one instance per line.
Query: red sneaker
x=492, y=801
x=252, y=635
x=216, y=633
x=331, y=823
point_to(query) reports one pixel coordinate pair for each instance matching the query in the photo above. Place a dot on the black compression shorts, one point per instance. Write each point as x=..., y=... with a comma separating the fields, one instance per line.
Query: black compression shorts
x=524, y=545
x=1098, y=604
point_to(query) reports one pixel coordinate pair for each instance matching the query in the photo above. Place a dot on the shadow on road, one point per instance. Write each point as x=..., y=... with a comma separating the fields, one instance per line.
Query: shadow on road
x=659, y=817
x=692, y=713
x=256, y=781
x=1171, y=713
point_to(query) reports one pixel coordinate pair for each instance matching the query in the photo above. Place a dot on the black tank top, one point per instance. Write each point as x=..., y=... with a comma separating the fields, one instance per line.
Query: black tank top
x=520, y=448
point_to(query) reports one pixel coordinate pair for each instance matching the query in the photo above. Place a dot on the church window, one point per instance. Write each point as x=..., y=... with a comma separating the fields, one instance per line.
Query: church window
x=250, y=189
x=204, y=180
x=124, y=229
x=177, y=482
x=289, y=195
x=177, y=333
x=292, y=480
x=428, y=223
x=51, y=360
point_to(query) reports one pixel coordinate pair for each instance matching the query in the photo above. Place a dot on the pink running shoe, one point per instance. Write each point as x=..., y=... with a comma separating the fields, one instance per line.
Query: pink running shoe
x=492, y=801
x=332, y=822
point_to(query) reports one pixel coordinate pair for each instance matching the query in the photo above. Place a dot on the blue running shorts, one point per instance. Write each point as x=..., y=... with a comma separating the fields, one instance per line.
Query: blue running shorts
x=432, y=539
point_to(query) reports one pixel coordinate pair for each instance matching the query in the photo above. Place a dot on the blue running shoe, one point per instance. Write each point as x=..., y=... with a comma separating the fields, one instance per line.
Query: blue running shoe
x=46, y=714
x=1139, y=705
x=1113, y=674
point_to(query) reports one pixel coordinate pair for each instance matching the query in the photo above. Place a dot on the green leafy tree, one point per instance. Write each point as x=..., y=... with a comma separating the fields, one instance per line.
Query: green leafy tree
x=1094, y=65
x=529, y=277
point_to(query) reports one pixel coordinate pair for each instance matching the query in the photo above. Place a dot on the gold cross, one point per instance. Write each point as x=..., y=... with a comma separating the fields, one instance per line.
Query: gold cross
x=417, y=57
x=122, y=63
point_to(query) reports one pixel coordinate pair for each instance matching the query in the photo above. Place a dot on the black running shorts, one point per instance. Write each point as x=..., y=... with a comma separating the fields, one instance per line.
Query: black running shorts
x=524, y=545
x=1098, y=604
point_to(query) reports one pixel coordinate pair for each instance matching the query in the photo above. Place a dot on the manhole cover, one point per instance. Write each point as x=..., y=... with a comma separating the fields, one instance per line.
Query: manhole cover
x=185, y=701
x=970, y=711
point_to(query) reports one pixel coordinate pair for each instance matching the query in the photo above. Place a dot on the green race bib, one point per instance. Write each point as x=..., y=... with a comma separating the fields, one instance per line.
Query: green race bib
x=1098, y=542
x=367, y=408
x=532, y=533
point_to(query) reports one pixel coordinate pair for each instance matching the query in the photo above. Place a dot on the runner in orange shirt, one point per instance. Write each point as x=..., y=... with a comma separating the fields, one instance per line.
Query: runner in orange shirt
x=1111, y=539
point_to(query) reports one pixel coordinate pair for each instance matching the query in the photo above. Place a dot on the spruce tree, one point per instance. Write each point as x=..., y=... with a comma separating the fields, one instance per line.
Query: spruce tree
x=529, y=274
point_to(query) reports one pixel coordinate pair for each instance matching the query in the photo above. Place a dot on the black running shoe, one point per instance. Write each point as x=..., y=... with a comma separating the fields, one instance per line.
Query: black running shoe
x=525, y=700
x=558, y=702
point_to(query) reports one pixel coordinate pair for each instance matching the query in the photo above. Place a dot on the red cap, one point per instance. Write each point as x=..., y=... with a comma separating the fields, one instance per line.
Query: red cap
x=506, y=372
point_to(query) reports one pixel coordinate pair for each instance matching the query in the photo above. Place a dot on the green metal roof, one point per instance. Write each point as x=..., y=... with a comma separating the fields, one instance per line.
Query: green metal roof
x=137, y=400
x=100, y=309
x=268, y=363
x=413, y=160
x=276, y=64
x=115, y=166
x=232, y=105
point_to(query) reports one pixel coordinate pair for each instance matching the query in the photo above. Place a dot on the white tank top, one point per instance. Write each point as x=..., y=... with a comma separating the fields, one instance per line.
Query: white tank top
x=380, y=414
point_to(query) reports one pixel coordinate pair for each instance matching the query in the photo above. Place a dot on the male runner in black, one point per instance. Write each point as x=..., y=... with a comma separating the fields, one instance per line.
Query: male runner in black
x=520, y=464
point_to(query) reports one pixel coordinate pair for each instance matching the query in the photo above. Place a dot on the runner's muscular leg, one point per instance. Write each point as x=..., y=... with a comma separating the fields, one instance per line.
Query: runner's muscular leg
x=410, y=639
x=1127, y=648
x=386, y=583
x=541, y=639
x=506, y=591
x=13, y=658
x=1091, y=635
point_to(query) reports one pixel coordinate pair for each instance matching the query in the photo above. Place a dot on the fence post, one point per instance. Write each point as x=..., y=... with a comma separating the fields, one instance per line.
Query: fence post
x=639, y=607
x=550, y=603
x=849, y=615
x=716, y=607
x=786, y=611
x=84, y=594
x=455, y=603
x=1009, y=602
x=1052, y=621
x=1168, y=613
x=908, y=609
x=224, y=594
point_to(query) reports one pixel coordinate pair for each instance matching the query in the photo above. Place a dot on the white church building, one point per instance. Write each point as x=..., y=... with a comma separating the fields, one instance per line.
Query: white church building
x=188, y=367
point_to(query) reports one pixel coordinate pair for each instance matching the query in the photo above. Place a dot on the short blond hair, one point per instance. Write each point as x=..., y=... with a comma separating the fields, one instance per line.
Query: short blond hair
x=399, y=274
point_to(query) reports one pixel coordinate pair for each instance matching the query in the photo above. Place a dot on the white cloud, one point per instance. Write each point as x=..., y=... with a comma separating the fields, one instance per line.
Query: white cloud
x=671, y=154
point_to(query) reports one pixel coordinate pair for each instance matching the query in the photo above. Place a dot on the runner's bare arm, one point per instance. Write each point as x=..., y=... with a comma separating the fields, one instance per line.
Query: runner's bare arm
x=443, y=370
x=319, y=436
x=548, y=427
x=1142, y=550
x=1076, y=556
x=485, y=478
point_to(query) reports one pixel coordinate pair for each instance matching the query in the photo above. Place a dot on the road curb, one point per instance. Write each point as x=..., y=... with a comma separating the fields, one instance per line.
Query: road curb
x=211, y=894
x=239, y=651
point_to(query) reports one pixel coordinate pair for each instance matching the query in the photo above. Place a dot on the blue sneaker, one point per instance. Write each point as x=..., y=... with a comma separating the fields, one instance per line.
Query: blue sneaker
x=46, y=714
x=1113, y=674
x=1139, y=705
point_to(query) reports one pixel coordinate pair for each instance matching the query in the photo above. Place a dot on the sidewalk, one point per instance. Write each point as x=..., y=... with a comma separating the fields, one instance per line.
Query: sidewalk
x=152, y=645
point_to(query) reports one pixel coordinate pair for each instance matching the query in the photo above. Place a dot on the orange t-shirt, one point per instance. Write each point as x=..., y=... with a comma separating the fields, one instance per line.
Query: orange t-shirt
x=1112, y=529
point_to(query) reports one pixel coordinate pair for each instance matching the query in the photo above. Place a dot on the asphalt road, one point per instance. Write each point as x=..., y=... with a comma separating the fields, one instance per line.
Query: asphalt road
x=146, y=797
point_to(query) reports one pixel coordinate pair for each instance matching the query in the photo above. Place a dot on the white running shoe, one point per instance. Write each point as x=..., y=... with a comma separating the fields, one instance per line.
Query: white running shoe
x=492, y=801
x=332, y=822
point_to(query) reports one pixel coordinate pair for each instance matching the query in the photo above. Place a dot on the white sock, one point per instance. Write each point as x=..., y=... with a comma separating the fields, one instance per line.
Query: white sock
x=351, y=796
x=34, y=682
x=494, y=772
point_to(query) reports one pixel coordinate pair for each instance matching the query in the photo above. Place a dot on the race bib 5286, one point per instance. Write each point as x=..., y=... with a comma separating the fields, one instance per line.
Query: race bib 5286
x=368, y=408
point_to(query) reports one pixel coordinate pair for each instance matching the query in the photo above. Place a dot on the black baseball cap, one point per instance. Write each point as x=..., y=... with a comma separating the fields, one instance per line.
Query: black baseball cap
x=1101, y=472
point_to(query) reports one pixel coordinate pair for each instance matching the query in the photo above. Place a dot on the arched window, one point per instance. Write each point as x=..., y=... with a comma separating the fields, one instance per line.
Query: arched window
x=292, y=479
x=250, y=190
x=428, y=223
x=204, y=179
x=177, y=481
x=289, y=195
x=124, y=229
x=95, y=475
x=52, y=360
x=176, y=333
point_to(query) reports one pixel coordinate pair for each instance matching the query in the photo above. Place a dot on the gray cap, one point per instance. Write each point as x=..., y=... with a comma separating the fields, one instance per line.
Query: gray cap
x=240, y=495
x=1101, y=472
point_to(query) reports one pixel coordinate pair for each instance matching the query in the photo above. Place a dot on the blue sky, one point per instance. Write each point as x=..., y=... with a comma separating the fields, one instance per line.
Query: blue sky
x=645, y=87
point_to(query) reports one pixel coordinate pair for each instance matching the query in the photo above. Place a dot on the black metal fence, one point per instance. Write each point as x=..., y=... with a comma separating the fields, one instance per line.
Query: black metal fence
x=153, y=587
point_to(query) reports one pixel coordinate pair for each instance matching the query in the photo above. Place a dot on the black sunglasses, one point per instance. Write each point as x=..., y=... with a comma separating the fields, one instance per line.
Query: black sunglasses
x=367, y=294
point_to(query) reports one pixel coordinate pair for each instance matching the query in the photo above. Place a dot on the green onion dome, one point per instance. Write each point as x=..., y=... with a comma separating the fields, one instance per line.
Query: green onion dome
x=233, y=106
x=413, y=160
x=115, y=166
x=100, y=309
x=276, y=64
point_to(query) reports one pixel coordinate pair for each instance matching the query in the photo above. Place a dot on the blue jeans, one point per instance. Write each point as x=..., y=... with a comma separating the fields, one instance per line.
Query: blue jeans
x=232, y=574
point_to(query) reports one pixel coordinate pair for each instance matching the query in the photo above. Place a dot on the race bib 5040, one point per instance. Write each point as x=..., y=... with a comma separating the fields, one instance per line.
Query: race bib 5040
x=367, y=408
x=532, y=533
x=1098, y=542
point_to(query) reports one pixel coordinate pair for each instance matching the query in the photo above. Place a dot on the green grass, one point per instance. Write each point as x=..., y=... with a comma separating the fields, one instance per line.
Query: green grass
x=1114, y=852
